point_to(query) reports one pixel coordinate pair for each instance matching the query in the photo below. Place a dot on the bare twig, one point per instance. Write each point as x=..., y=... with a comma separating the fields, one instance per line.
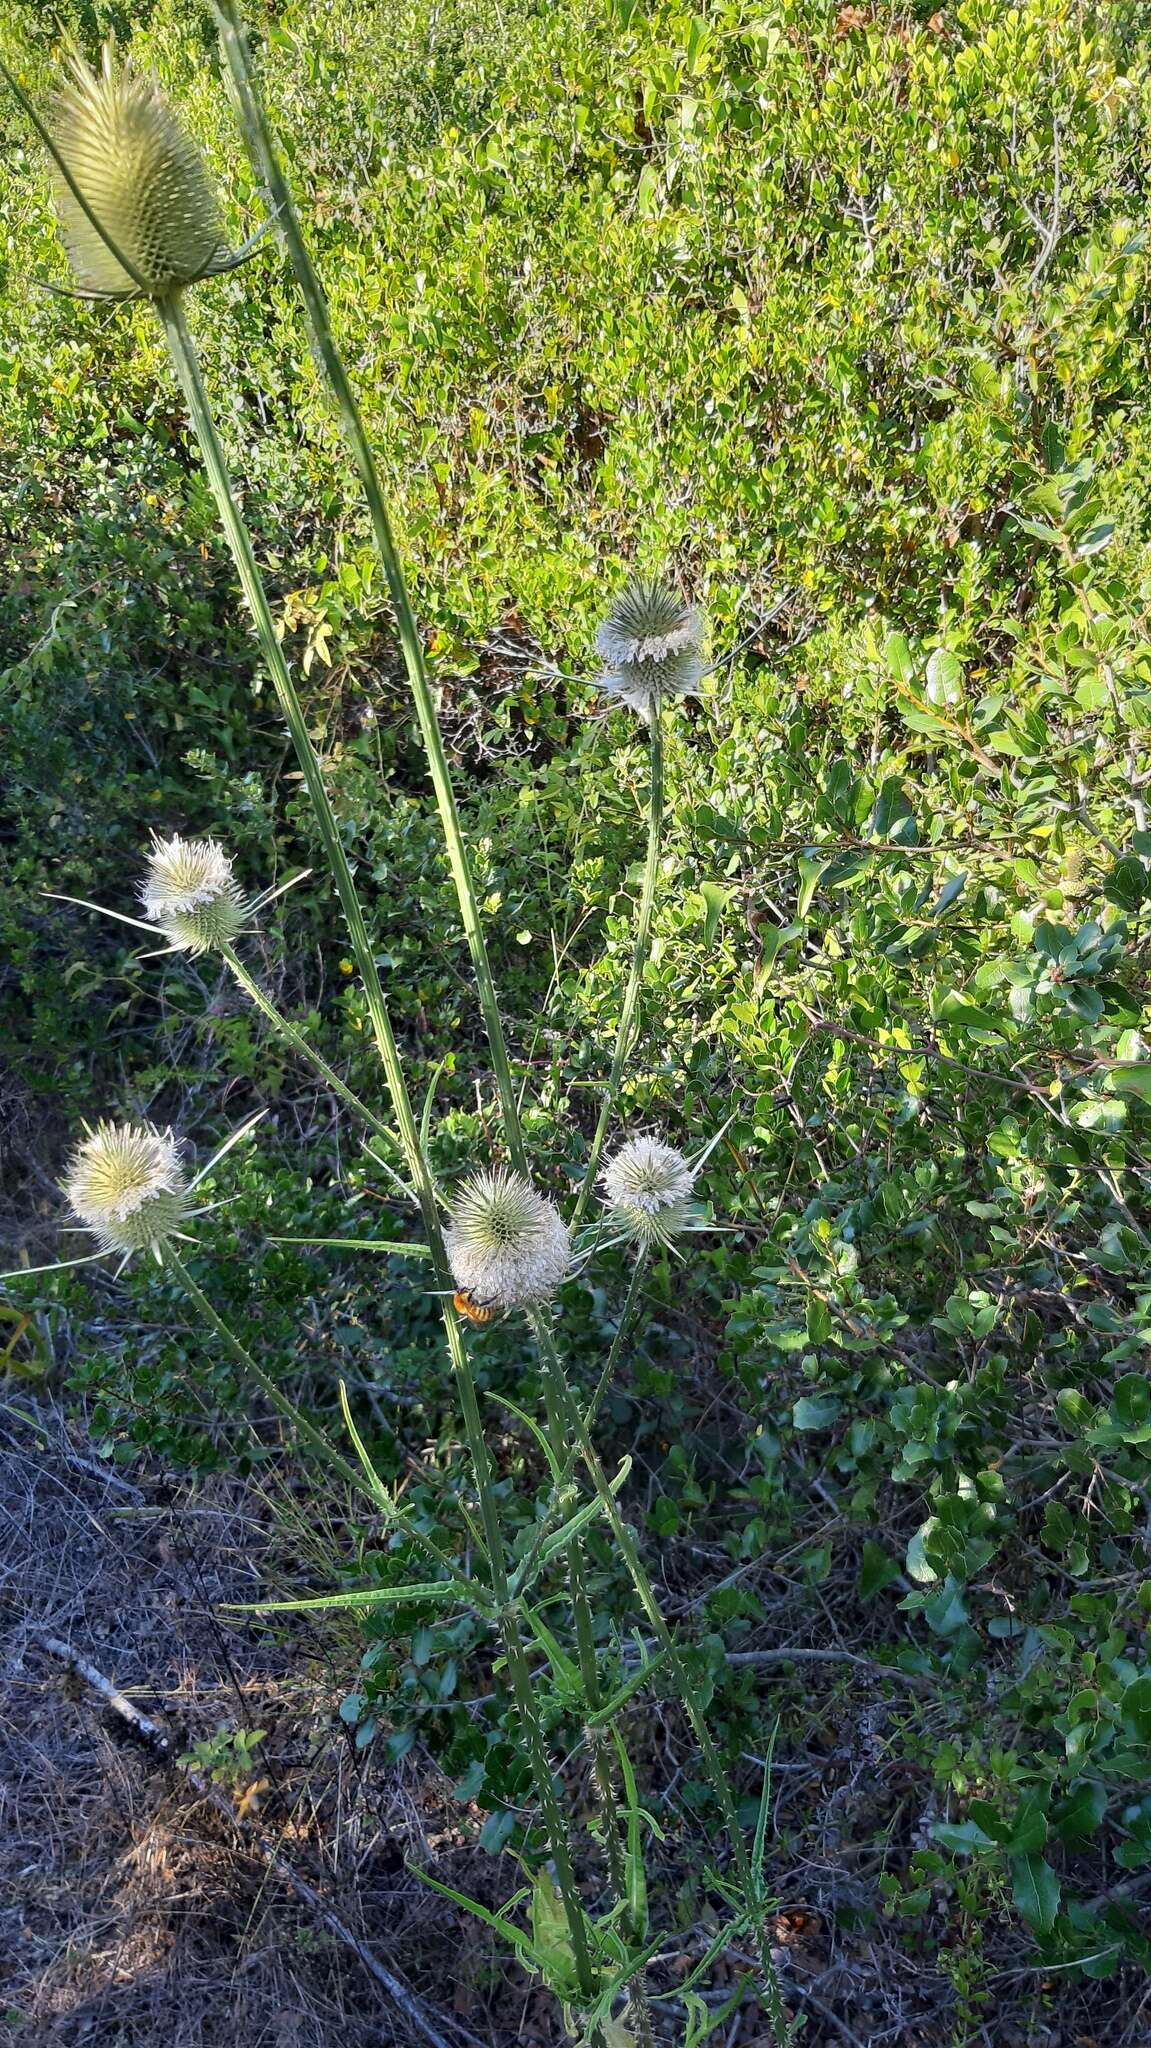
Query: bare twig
x=917, y=1680
x=151, y=1733
x=1053, y=228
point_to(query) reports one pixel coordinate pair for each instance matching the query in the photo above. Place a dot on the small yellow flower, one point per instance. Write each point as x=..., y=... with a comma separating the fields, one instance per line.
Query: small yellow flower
x=346, y=967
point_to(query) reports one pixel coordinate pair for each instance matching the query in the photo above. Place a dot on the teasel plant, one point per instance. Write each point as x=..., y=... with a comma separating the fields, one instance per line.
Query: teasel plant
x=651, y=645
x=139, y=222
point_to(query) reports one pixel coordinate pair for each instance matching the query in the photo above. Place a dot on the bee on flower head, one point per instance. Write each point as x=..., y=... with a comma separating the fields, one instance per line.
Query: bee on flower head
x=475, y=1310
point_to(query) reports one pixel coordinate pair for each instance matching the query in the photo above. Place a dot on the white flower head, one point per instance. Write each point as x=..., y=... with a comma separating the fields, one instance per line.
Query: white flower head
x=647, y=1189
x=647, y=622
x=507, y=1244
x=141, y=178
x=126, y=1183
x=191, y=893
x=651, y=644
x=644, y=685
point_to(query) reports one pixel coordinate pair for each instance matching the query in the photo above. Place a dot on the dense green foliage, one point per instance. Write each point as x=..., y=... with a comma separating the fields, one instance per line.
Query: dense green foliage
x=844, y=319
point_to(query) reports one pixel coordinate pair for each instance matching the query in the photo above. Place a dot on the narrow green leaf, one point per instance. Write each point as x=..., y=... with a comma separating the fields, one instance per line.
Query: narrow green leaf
x=379, y=1491
x=369, y=1596
x=566, y=1672
x=522, y=1415
x=637, y=1917
x=362, y=1244
x=429, y=1098
x=507, y=1929
x=626, y=1692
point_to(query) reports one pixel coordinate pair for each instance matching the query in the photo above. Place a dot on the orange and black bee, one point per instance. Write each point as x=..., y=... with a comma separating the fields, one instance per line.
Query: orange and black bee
x=466, y=1304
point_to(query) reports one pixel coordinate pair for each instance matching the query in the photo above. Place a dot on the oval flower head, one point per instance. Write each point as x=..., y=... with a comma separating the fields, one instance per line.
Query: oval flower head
x=647, y=1189
x=137, y=211
x=651, y=645
x=190, y=892
x=127, y=1185
x=507, y=1245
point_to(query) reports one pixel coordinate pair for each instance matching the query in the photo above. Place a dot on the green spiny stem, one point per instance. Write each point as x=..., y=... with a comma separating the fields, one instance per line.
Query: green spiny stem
x=639, y=2015
x=599, y=1742
x=713, y=1762
x=524, y=1570
x=554, y=1392
x=188, y=370
x=639, y=957
x=251, y=1370
x=300, y=1044
x=187, y=366
x=261, y=149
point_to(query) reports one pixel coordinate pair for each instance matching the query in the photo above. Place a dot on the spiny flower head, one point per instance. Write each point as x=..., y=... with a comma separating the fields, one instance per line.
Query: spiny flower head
x=142, y=180
x=127, y=1185
x=507, y=1244
x=191, y=893
x=644, y=685
x=647, y=622
x=647, y=1191
x=651, y=645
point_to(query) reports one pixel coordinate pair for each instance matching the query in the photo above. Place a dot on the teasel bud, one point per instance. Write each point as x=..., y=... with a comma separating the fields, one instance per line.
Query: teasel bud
x=136, y=207
x=647, y=1189
x=651, y=644
x=190, y=892
x=1074, y=880
x=127, y=1185
x=507, y=1245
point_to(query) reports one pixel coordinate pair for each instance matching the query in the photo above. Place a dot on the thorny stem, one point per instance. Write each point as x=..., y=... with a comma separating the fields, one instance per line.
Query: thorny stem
x=261, y=150
x=300, y=1044
x=248, y=1366
x=581, y=1607
x=188, y=370
x=525, y=1569
x=638, y=962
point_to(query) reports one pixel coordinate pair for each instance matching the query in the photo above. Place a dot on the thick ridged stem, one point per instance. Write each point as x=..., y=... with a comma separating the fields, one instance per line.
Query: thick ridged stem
x=299, y=1044
x=262, y=152
x=581, y=1604
x=639, y=958
x=188, y=370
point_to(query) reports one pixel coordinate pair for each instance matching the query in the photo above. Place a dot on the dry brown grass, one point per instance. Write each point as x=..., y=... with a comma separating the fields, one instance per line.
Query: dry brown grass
x=132, y=1912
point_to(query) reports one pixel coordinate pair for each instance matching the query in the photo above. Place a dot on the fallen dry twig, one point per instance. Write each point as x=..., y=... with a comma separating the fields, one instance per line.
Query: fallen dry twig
x=151, y=1733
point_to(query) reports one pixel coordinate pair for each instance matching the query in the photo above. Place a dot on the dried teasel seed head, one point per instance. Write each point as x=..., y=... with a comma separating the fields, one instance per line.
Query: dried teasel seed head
x=127, y=1185
x=507, y=1244
x=651, y=645
x=647, y=1188
x=190, y=892
x=142, y=180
